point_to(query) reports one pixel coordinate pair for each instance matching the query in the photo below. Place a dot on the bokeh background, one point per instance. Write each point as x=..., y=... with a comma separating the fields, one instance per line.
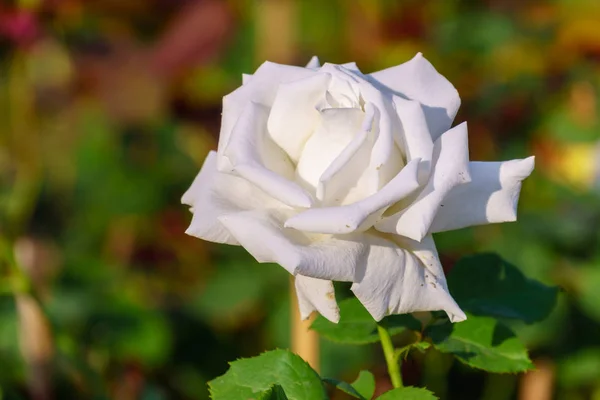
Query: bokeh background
x=108, y=107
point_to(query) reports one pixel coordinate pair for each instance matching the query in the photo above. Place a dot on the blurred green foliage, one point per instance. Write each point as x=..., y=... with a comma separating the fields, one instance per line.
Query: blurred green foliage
x=107, y=109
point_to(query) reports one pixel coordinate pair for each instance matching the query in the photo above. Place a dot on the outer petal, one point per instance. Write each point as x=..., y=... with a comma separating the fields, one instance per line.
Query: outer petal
x=205, y=177
x=351, y=66
x=314, y=63
x=214, y=194
x=403, y=280
x=490, y=197
x=361, y=215
x=450, y=169
x=261, y=232
x=417, y=79
x=316, y=294
x=294, y=116
x=256, y=158
x=261, y=89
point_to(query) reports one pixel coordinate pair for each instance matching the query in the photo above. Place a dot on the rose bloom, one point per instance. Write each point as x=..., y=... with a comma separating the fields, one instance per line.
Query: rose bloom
x=339, y=175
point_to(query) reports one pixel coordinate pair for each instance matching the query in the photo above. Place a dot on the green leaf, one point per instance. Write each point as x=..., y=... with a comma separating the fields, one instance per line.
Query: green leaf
x=362, y=388
x=357, y=326
x=481, y=342
x=274, y=393
x=487, y=285
x=344, y=387
x=365, y=384
x=251, y=377
x=408, y=393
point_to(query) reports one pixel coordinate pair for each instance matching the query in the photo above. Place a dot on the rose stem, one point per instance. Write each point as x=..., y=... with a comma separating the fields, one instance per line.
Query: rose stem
x=305, y=342
x=391, y=358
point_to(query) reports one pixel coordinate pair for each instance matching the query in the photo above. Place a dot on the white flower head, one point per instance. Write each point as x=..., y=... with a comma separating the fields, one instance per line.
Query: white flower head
x=339, y=175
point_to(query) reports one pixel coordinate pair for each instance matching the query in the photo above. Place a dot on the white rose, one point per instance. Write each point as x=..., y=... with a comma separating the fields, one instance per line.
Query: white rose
x=338, y=175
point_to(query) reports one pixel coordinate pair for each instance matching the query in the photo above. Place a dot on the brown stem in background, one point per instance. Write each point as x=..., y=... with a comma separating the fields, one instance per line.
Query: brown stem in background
x=276, y=27
x=35, y=341
x=538, y=384
x=33, y=264
x=21, y=256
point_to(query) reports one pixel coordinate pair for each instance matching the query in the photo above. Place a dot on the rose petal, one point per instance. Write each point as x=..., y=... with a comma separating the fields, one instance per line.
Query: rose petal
x=386, y=159
x=403, y=280
x=343, y=90
x=336, y=130
x=343, y=174
x=418, y=80
x=204, y=224
x=255, y=157
x=361, y=215
x=316, y=294
x=198, y=187
x=214, y=194
x=262, y=234
x=351, y=66
x=417, y=141
x=246, y=78
x=450, y=169
x=314, y=63
x=294, y=116
x=261, y=89
x=490, y=197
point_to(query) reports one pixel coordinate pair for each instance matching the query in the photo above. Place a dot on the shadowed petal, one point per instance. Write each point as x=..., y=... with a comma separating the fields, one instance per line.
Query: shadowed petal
x=386, y=159
x=294, y=116
x=399, y=280
x=343, y=174
x=316, y=294
x=415, y=132
x=256, y=158
x=361, y=215
x=261, y=232
x=418, y=80
x=261, y=89
x=336, y=130
x=490, y=197
x=214, y=194
x=450, y=169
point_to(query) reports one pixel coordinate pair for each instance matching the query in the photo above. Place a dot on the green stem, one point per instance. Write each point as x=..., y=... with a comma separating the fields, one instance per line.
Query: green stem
x=391, y=358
